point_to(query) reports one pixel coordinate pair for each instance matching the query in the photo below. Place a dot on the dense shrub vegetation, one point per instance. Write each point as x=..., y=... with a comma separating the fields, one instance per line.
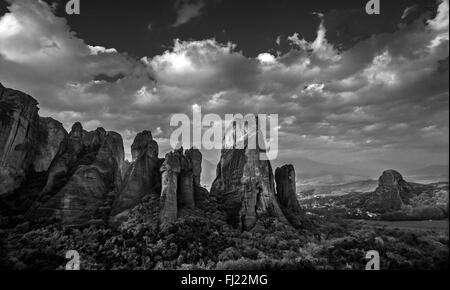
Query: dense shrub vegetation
x=201, y=239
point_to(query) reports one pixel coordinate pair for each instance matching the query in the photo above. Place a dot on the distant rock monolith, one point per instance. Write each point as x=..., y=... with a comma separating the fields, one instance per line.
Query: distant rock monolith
x=287, y=195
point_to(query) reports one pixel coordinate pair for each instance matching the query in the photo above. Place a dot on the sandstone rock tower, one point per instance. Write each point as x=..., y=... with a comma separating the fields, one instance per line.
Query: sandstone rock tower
x=180, y=183
x=142, y=176
x=244, y=186
x=286, y=193
x=170, y=170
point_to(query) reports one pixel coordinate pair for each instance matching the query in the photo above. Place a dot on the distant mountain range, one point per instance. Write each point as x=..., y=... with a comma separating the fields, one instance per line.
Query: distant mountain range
x=330, y=177
x=319, y=173
x=430, y=173
x=338, y=189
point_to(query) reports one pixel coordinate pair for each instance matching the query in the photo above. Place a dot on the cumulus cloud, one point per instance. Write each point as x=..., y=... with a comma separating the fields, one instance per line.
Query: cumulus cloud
x=385, y=97
x=40, y=55
x=441, y=20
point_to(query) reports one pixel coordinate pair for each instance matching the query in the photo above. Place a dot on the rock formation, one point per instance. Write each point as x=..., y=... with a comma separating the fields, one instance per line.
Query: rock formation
x=180, y=183
x=27, y=142
x=79, y=148
x=195, y=157
x=287, y=195
x=244, y=186
x=391, y=194
x=142, y=176
x=86, y=169
x=51, y=134
x=186, y=179
x=170, y=170
x=82, y=176
x=18, y=137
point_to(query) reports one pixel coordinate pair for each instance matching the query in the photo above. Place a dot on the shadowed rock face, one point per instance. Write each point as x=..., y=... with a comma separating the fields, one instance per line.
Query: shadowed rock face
x=142, y=176
x=144, y=144
x=51, y=134
x=189, y=179
x=180, y=183
x=286, y=193
x=86, y=194
x=170, y=170
x=19, y=122
x=392, y=192
x=244, y=188
x=79, y=148
x=195, y=158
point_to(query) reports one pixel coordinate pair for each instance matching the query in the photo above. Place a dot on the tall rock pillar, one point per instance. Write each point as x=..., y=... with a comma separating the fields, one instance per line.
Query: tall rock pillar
x=170, y=170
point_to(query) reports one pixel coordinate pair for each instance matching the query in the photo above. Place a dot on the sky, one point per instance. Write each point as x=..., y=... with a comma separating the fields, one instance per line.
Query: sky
x=352, y=89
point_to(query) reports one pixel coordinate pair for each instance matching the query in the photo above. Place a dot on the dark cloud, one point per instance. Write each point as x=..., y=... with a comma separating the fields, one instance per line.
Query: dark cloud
x=383, y=95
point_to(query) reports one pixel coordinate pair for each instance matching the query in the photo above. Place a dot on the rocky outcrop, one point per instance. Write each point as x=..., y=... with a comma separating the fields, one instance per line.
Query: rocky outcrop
x=144, y=144
x=189, y=176
x=27, y=142
x=84, y=174
x=79, y=148
x=51, y=134
x=180, y=183
x=391, y=194
x=244, y=186
x=19, y=122
x=170, y=170
x=195, y=158
x=142, y=176
x=287, y=195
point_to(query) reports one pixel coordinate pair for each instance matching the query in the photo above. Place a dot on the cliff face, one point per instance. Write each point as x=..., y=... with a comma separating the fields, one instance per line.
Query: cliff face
x=18, y=137
x=51, y=134
x=79, y=148
x=141, y=177
x=194, y=156
x=27, y=141
x=82, y=178
x=244, y=187
x=170, y=170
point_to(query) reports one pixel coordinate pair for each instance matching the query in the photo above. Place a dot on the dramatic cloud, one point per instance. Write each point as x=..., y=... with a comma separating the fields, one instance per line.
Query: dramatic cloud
x=40, y=55
x=383, y=98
